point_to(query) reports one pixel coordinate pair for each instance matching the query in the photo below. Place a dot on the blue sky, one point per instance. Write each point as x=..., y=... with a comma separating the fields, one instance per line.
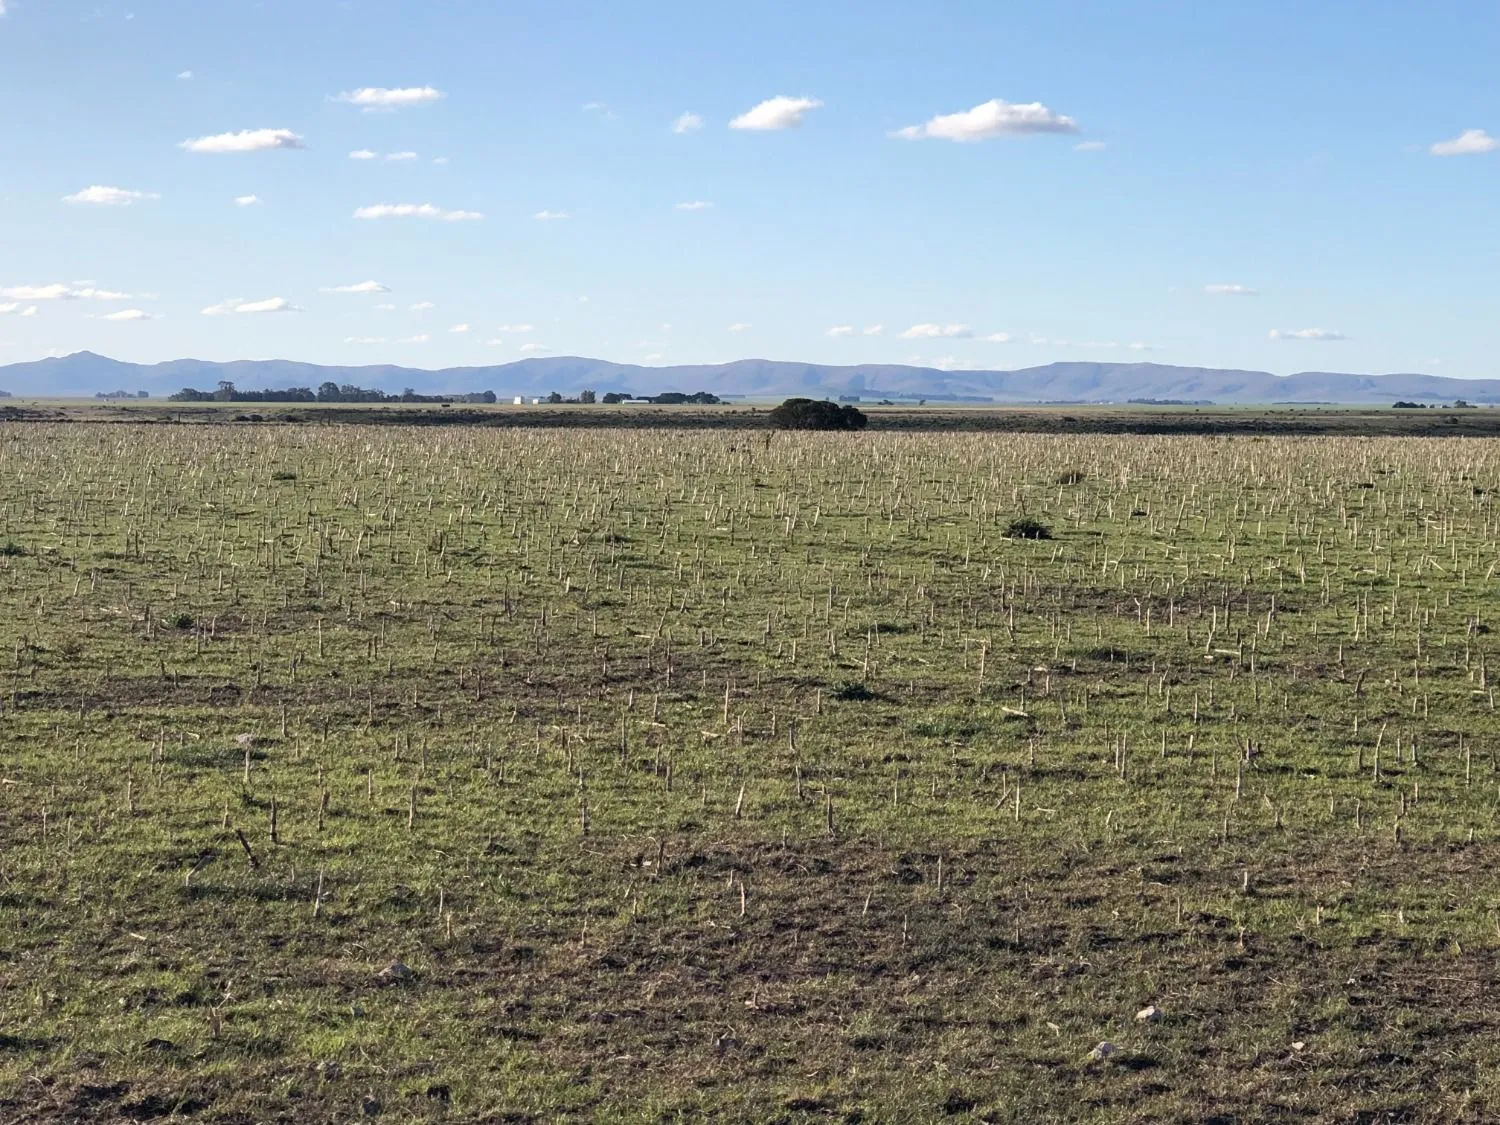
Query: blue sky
x=1214, y=184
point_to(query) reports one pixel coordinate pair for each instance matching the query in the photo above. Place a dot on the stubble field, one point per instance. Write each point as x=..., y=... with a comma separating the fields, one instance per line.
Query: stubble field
x=543, y=775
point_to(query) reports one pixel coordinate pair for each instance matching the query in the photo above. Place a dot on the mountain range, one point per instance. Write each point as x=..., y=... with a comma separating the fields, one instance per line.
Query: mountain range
x=84, y=374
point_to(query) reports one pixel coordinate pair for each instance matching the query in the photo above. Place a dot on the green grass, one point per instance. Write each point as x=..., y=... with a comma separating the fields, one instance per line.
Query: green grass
x=700, y=775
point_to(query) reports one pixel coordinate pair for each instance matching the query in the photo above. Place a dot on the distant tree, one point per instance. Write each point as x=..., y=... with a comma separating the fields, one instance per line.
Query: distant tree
x=1400, y=404
x=328, y=392
x=553, y=398
x=816, y=414
x=587, y=397
x=142, y=394
x=226, y=392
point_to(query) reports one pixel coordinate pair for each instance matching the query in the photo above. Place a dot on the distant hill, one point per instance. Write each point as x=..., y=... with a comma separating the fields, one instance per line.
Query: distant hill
x=85, y=373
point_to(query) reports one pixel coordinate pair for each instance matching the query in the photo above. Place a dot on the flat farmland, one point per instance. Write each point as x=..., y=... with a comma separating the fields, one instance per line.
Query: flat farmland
x=468, y=773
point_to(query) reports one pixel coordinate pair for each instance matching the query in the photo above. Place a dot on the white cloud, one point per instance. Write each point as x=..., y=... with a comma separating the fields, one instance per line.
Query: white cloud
x=185, y=75
x=400, y=157
x=415, y=210
x=593, y=107
x=459, y=328
x=363, y=154
x=1090, y=146
x=387, y=307
x=246, y=140
x=687, y=123
x=495, y=342
x=62, y=293
x=551, y=216
x=377, y=97
x=695, y=205
x=994, y=118
x=1467, y=143
x=358, y=287
x=841, y=330
x=440, y=160
x=236, y=305
x=1000, y=338
x=739, y=326
x=109, y=196
x=1137, y=346
x=532, y=349
x=875, y=330
x=780, y=112
x=937, y=331
x=247, y=201
x=364, y=339
x=10, y=307
x=518, y=328
x=30, y=310
x=422, y=339
x=1230, y=291
x=420, y=306
x=1320, y=334
x=130, y=314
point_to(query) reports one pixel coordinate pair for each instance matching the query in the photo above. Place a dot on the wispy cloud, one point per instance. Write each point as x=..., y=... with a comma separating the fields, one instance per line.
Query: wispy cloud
x=517, y=328
x=102, y=196
x=999, y=338
x=532, y=349
x=364, y=339
x=695, y=205
x=59, y=292
x=938, y=331
x=1323, y=335
x=459, y=329
x=687, y=123
x=419, y=339
x=420, y=306
x=415, y=210
x=739, y=326
x=380, y=97
x=1470, y=142
x=236, y=305
x=1090, y=146
x=780, y=112
x=1230, y=291
x=994, y=118
x=551, y=216
x=185, y=75
x=129, y=314
x=16, y=308
x=400, y=157
x=874, y=330
x=246, y=140
x=247, y=201
x=841, y=330
x=363, y=154
x=358, y=287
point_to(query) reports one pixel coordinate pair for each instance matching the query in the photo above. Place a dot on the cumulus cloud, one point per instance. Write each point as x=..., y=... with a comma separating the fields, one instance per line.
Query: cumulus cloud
x=1468, y=143
x=130, y=314
x=687, y=123
x=247, y=201
x=994, y=118
x=841, y=330
x=102, y=196
x=30, y=310
x=363, y=154
x=415, y=210
x=459, y=328
x=780, y=112
x=9, y=307
x=59, y=292
x=695, y=205
x=550, y=216
x=400, y=157
x=358, y=287
x=246, y=140
x=379, y=97
x=1230, y=291
x=937, y=332
x=236, y=305
x=1319, y=334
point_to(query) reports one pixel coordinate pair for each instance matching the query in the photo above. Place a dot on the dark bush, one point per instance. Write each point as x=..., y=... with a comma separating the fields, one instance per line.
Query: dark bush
x=283, y=474
x=183, y=621
x=11, y=550
x=853, y=691
x=817, y=414
x=1027, y=528
x=1072, y=476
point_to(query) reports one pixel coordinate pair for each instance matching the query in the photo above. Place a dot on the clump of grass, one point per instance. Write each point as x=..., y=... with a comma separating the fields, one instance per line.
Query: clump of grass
x=853, y=691
x=10, y=550
x=283, y=474
x=1025, y=527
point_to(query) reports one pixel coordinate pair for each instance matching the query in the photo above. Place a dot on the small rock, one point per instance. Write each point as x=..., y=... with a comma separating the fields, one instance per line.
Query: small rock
x=1299, y=1045
x=1104, y=1050
x=1149, y=1014
x=395, y=973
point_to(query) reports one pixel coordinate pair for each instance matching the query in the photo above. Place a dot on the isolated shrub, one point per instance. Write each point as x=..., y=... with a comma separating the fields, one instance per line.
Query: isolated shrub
x=1072, y=476
x=9, y=550
x=817, y=414
x=853, y=691
x=1027, y=528
x=283, y=474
